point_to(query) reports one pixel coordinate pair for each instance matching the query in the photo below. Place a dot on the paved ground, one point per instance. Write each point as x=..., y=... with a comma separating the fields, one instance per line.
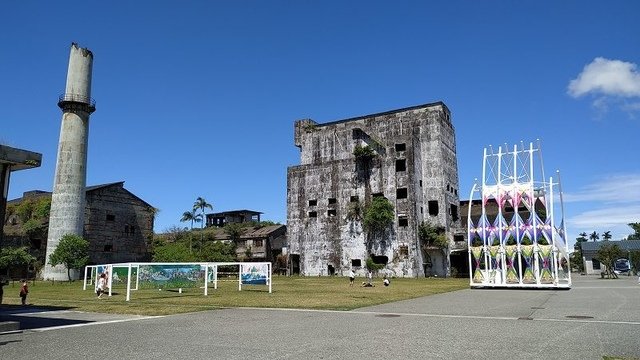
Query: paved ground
x=595, y=318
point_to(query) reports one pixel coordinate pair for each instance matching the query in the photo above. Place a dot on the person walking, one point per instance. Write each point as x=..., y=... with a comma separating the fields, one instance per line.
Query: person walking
x=352, y=277
x=24, y=290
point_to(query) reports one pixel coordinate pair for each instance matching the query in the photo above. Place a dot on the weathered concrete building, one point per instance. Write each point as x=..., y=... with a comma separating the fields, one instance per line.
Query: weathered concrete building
x=117, y=224
x=413, y=164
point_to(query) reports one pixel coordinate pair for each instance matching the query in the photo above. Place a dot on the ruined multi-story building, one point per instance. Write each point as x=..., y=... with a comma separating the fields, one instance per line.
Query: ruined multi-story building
x=407, y=156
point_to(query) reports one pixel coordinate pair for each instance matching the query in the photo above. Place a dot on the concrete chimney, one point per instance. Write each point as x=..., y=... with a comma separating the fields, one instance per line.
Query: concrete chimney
x=68, y=200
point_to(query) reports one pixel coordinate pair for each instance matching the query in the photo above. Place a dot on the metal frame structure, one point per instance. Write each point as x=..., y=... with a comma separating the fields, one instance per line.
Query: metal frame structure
x=517, y=240
x=211, y=268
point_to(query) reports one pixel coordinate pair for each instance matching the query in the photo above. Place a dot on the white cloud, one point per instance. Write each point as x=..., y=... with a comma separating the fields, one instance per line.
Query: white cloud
x=623, y=188
x=613, y=219
x=607, y=77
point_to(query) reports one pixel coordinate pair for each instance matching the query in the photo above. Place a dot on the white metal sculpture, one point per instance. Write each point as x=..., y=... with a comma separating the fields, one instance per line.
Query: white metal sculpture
x=516, y=239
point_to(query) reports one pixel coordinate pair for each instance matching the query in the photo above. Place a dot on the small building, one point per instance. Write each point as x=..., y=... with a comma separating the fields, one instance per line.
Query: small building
x=257, y=243
x=590, y=253
x=236, y=216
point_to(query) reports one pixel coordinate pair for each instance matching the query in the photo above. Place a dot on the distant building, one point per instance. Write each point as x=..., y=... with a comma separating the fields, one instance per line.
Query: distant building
x=258, y=243
x=118, y=224
x=236, y=216
x=590, y=253
x=407, y=156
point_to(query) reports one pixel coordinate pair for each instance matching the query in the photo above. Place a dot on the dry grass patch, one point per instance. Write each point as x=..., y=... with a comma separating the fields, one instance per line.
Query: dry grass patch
x=327, y=293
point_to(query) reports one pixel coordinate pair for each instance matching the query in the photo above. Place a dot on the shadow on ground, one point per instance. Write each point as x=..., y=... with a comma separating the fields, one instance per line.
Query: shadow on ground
x=35, y=317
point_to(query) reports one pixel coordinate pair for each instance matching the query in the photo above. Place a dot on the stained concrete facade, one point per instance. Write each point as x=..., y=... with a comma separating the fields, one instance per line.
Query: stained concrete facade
x=117, y=224
x=67, y=204
x=414, y=166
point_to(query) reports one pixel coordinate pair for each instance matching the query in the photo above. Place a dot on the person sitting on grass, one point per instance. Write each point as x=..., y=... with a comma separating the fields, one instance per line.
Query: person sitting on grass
x=386, y=281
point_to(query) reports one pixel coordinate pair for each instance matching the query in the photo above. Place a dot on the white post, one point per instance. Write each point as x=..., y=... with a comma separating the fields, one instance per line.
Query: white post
x=110, y=277
x=469, y=243
x=215, y=277
x=84, y=285
x=240, y=277
x=555, y=260
x=270, y=278
x=484, y=271
x=206, y=279
x=129, y=281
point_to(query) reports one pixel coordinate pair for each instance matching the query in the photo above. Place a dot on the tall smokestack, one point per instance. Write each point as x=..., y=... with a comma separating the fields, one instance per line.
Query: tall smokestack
x=68, y=200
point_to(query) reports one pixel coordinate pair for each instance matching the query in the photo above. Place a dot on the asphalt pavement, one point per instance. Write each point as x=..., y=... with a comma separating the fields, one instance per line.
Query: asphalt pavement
x=595, y=318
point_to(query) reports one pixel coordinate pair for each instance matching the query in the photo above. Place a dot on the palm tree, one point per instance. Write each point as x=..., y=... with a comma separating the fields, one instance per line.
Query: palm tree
x=594, y=236
x=606, y=235
x=193, y=217
x=202, y=204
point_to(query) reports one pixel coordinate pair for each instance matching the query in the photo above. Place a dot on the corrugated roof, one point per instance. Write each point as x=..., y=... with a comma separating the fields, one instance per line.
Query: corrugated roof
x=622, y=244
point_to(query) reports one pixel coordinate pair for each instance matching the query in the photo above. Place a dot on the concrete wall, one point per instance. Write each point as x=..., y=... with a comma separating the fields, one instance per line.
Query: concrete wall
x=329, y=170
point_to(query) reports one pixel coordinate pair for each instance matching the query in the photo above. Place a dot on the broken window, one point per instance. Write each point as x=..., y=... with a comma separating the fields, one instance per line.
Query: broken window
x=313, y=214
x=111, y=217
x=420, y=183
x=257, y=242
x=356, y=262
x=458, y=237
x=401, y=193
x=433, y=207
x=403, y=221
x=403, y=251
x=108, y=248
x=332, y=201
x=383, y=260
x=401, y=165
x=454, y=212
x=401, y=147
x=377, y=195
x=354, y=198
x=313, y=202
x=331, y=212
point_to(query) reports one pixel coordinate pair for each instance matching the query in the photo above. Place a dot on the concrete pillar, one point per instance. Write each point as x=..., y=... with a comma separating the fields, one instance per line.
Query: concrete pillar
x=68, y=199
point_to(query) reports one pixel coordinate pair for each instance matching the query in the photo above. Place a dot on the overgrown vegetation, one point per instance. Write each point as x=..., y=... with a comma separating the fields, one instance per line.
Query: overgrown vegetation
x=363, y=152
x=378, y=215
x=432, y=236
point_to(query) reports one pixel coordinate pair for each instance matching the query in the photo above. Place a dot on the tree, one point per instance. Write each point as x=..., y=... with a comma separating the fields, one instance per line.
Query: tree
x=636, y=231
x=15, y=256
x=72, y=252
x=172, y=252
x=219, y=251
x=606, y=235
x=202, y=204
x=234, y=230
x=577, y=261
x=607, y=255
x=594, y=236
x=193, y=217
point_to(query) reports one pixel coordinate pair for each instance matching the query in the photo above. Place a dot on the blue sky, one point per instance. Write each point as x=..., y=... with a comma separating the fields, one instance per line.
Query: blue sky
x=199, y=98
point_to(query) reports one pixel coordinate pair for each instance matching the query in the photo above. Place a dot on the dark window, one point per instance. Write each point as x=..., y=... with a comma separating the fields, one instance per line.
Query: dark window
x=377, y=195
x=383, y=260
x=401, y=147
x=332, y=201
x=458, y=237
x=448, y=187
x=313, y=214
x=403, y=221
x=420, y=183
x=401, y=165
x=596, y=264
x=454, y=212
x=313, y=202
x=354, y=198
x=257, y=243
x=331, y=212
x=356, y=262
x=433, y=207
x=126, y=229
x=421, y=210
x=455, y=191
x=108, y=248
x=401, y=193
x=111, y=217
x=403, y=250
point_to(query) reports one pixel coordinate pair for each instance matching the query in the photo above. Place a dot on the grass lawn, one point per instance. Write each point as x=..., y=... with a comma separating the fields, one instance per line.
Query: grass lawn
x=332, y=293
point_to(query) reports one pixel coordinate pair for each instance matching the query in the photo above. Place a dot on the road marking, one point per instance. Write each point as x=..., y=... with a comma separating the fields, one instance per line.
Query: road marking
x=476, y=317
x=93, y=323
